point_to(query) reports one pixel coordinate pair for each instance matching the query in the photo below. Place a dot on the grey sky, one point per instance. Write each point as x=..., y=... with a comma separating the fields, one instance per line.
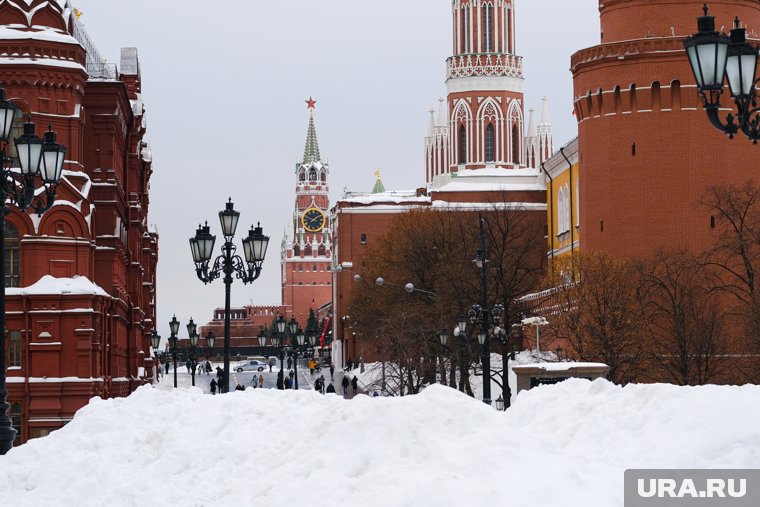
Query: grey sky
x=225, y=82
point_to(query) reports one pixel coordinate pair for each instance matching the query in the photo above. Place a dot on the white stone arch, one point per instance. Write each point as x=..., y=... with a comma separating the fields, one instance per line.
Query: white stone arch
x=462, y=116
x=490, y=110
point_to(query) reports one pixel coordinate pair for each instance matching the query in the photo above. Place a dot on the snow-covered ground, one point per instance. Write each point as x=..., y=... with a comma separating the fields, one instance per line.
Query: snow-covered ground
x=566, y=444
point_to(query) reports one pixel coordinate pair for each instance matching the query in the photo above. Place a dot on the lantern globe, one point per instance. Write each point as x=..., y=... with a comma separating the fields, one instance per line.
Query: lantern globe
x=229, y=219
x=8, y=113
x=29, y=149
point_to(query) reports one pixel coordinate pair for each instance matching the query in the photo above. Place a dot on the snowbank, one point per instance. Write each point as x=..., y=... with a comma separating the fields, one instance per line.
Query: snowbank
x=566, y=444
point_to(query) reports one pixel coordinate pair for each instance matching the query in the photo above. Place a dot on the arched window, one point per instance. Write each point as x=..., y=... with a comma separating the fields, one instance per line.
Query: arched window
x=466, y=28
x=567, y=209
x=675, y=90
x=14, y=349
x=323, y=177
x=313, y=175
x=560, y=211
x=656, y=100
x=487, y=28
x=515, y=144
x=462, y=144
x=490, y=143
x=618, y=101
x=301, y=175
x=11, y=255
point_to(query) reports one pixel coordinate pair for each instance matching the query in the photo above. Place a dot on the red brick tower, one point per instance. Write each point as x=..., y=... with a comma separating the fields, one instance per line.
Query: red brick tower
x=646, y=148
x=307, y=254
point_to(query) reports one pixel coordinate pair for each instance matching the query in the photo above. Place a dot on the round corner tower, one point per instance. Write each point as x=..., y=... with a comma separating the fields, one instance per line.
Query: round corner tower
x=647, y=149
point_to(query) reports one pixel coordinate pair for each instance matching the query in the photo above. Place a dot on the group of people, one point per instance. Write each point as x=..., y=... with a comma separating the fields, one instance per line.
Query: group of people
x=351, y=364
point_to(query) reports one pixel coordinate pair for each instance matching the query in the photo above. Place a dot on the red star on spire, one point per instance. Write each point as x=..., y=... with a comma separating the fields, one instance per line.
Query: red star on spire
x=310, y=103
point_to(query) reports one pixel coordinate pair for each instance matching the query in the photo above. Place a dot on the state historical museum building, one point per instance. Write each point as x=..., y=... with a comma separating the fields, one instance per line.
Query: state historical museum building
x=82, y=278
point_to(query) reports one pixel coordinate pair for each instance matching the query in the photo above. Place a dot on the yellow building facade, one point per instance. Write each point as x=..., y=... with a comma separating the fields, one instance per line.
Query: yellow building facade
x=562, y=177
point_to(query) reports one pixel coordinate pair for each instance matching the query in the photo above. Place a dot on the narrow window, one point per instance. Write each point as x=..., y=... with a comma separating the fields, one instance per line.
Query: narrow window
x=17, y=415
x=11, y=255
x=633, y=150
x=712, y=222
x=656, y=100
x=675, y=90
x=462, y=145
x=601, y=225
x=490, y=143
x=634, y=106
x=618, y=101
x=14, y=349
x=363, y=239
x=487, y=28
x=515, y=144
x=466, y=19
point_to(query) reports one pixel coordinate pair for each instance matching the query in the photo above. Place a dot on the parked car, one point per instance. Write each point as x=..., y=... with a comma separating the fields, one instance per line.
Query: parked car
x=252, y=365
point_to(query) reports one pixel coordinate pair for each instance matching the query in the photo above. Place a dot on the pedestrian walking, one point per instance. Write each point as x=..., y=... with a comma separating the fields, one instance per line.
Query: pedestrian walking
x=280, y=382
x=322, y=384
x=344, y=383
x=270, y=366
x=287, y=383
x=292, y=375
x=167, y=367
x=332, y=371
x=208, y=367
x=255, y=381
x=355, y=384
x=317, y=386
x=330, y=388
x=350, y=364
x=212, y=386
x=220, y=384
x=188, y=365
x=290, y=362
x=261, y=381
x=311, y=366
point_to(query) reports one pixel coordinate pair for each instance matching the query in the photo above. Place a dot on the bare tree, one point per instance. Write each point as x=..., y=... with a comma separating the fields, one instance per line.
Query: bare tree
x=685, y=319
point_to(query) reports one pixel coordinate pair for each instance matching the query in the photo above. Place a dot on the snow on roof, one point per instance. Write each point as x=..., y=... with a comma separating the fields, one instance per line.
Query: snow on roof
x=48, y=62
x=78, y=285
x=489, y=180
x=581, y=436
x=560, y=366
x=44, y=33
x=391, y=196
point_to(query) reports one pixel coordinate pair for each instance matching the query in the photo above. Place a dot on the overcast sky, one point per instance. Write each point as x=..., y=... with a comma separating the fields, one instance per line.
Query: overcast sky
x=224, y=85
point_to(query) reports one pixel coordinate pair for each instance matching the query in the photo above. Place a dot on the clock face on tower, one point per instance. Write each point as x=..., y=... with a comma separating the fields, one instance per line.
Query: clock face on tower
x=313, y=220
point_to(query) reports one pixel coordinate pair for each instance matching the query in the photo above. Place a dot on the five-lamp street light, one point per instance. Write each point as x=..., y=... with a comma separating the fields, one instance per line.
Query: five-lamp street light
x=39, y=166
x=228, y=264
x=716, y=58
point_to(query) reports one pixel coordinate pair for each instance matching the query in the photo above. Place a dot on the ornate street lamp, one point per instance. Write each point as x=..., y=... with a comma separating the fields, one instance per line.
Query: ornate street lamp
x=210, y=342
x=174, y=329
x=715, y=58
x=228, y=263
x=155, y=341
x=500, y=403
x=262, y=339
x=300, y=338
x=277, y=344
x=38, y=159
x=192, y=334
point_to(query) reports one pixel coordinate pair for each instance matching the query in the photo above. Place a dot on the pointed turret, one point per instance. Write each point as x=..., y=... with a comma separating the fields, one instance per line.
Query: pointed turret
x=532, y=130
x=379, y=187
x=545, y=111
x=431, y=123
x=311, y=152
x=442, y=119
x=545, y=136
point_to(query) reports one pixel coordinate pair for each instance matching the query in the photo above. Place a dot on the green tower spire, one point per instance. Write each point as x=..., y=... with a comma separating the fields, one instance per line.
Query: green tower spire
x=311, y=152
x=379, y=187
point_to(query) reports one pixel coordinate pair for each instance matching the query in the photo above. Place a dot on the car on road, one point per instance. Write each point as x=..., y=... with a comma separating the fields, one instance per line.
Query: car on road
x=252, y=365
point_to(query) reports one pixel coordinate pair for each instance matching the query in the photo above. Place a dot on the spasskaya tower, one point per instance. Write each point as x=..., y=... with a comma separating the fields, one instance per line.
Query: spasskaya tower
x=307, y=244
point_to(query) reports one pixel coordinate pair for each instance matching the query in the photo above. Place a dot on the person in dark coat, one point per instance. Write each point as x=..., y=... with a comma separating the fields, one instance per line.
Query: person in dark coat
x=287, y=383
x=350, y=364
x=167, y=367
x=355, y=384
x=331, y=388
x=213, y=386
x=280, y=382
x=208, y=367
x=344, y=383
x=332, y=371
x=290, y=362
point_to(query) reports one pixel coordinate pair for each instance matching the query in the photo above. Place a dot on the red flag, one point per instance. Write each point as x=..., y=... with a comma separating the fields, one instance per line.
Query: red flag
x=324, y=332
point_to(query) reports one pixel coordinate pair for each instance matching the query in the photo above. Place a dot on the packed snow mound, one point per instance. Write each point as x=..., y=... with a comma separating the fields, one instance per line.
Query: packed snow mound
x=566, y=444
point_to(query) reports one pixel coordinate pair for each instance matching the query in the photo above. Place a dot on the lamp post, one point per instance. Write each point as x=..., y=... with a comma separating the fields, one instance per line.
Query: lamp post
x=715, y=58
x=174, y=328
x=460, y=331
x=228, y=263
x=39, y=161
x=262, y=341
x=277, y=344
x=481, y=261
x=299, y=343
x=155, y=341
x=193, y=336
x=210, y=342
x=443, y=336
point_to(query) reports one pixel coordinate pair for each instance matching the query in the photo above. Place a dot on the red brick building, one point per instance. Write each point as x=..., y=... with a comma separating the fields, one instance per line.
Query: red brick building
x=79, y=321
x=646, y=147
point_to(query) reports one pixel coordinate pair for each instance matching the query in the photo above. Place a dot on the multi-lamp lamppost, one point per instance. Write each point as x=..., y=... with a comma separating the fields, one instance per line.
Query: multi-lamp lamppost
x=38, y=165
x=715, y=59
x=228, y=264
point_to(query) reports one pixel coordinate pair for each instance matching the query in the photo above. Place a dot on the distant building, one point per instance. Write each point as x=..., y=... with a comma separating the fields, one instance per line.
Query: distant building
x=82, y=278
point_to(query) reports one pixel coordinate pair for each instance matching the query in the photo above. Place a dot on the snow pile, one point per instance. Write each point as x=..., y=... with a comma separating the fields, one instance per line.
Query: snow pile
x=51, y=285
x=566, y=444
